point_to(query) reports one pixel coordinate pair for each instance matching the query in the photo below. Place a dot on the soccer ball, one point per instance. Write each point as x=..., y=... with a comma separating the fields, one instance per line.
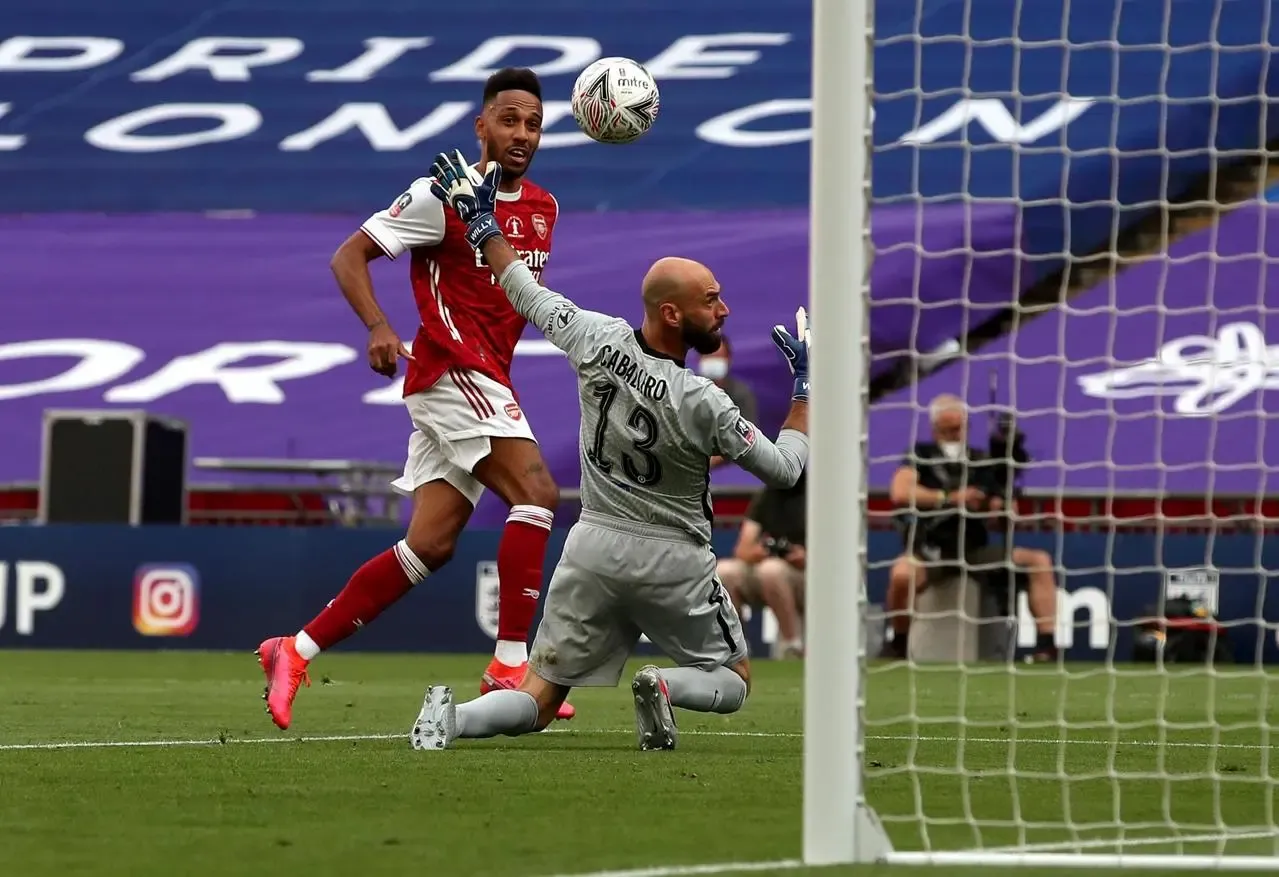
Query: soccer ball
x=615, y=100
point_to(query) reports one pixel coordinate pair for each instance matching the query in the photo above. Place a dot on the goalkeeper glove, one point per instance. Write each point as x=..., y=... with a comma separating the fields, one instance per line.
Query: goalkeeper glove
x=472, y=196
x=796, y=353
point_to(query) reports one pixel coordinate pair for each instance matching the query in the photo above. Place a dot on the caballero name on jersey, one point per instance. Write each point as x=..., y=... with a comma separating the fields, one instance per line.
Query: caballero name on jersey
x=629, y=371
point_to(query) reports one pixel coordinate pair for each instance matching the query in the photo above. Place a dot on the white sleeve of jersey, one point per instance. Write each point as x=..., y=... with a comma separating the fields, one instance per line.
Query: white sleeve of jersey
x=416, y=219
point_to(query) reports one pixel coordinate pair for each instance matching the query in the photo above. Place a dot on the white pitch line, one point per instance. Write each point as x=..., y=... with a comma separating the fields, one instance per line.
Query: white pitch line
x=1119, y=844
x=342, y=738
x=141, y=744
x=695, y=870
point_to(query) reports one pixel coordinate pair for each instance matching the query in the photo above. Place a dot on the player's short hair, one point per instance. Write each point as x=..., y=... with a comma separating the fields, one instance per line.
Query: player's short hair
x=512, y=79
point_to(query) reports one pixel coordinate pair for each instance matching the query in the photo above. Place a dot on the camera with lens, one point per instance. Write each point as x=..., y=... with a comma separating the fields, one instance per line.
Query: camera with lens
x=778, y=546
x=1008, y=456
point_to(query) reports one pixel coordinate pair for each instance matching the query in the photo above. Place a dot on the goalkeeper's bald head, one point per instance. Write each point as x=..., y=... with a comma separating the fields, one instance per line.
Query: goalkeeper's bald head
x=675, y=280
x=682, y=303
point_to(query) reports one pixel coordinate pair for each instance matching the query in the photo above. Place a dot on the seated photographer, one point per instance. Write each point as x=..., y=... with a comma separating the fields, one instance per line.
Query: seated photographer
x=951, y=496
x=767, y=566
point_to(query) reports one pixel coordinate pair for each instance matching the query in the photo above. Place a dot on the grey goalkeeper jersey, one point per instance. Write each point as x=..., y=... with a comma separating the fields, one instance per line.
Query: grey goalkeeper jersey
x=649, y=425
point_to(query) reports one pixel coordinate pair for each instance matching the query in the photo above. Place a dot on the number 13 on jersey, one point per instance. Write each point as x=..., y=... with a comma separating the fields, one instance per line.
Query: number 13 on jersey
x=639, y=430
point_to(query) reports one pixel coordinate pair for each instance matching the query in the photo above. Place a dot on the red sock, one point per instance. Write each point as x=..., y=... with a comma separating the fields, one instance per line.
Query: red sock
x=376, y=585
x=520, y=555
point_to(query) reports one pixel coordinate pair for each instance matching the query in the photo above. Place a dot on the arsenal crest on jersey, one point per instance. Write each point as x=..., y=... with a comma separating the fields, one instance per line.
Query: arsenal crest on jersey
x=539, y=225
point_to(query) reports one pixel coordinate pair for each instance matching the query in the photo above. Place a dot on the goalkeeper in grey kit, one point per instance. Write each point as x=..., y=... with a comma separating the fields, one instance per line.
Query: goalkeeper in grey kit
x=638, y=561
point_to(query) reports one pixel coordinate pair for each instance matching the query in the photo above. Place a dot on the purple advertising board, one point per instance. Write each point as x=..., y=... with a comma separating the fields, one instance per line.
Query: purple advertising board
x=1154, y=382
x=1158, y=381
x=236, y=326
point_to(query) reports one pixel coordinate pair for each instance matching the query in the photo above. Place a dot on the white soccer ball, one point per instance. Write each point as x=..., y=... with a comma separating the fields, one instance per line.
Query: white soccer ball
x=615, y=100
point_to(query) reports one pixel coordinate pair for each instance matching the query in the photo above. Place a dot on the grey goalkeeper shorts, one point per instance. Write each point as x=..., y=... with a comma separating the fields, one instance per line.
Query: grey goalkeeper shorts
x=617, y=580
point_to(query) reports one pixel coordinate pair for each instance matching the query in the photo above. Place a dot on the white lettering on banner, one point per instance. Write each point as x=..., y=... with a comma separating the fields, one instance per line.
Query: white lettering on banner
x=391, y=394
x=379, y=52
x=695, y=57
x=374, y=122
x=227, y=59
x=100, y=362
x=554, y=112
x=726, y=129
x=32, y=54
x=10, y=142
x=38, y=587
x=998, y=122
x=232, y=59
x=244, y=383
x=118, y=134
x=1091, y=600
x=1206, y=375
x=575, y=53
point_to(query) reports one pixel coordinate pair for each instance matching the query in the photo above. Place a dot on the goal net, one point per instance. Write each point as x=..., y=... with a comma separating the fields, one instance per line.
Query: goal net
x=1071, y=254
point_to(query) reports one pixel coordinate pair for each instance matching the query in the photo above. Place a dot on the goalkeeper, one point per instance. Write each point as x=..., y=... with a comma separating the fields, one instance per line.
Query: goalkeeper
x=945, y=502
x=639, y=559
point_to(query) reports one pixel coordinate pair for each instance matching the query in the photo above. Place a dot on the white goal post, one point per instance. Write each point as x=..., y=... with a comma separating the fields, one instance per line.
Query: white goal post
x=1042, y=745
x=837, y=827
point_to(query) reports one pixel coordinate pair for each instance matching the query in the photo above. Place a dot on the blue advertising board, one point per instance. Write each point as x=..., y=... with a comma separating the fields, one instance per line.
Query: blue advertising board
x=324, y=105
x=109, y=587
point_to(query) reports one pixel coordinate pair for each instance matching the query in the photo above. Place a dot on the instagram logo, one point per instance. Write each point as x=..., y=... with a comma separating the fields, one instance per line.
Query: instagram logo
x=166, y=599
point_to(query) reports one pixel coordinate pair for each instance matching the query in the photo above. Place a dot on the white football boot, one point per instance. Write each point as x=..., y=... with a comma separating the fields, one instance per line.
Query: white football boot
x=654, y=719
x=436, y=725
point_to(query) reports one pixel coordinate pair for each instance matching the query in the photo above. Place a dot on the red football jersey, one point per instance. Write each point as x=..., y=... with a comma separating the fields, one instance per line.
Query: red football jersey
x=466, y=320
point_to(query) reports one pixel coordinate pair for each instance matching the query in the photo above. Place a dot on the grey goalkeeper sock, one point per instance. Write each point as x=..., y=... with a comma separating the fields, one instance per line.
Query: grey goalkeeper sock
x=498, y=712
x=705, y=691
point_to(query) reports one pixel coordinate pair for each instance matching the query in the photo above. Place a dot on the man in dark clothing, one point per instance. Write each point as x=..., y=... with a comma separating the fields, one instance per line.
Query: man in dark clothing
x=767, y=566
x=947, y=498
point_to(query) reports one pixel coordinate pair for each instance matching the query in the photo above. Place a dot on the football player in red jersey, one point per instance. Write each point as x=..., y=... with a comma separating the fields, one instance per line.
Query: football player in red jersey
x=469, y=432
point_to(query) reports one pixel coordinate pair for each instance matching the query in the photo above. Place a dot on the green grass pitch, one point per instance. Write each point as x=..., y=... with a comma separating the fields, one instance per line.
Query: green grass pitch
x=1156, y=756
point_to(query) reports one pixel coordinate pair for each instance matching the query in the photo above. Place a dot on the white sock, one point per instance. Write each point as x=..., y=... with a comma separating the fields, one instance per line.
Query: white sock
x=512, y=653
x=306, y=647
